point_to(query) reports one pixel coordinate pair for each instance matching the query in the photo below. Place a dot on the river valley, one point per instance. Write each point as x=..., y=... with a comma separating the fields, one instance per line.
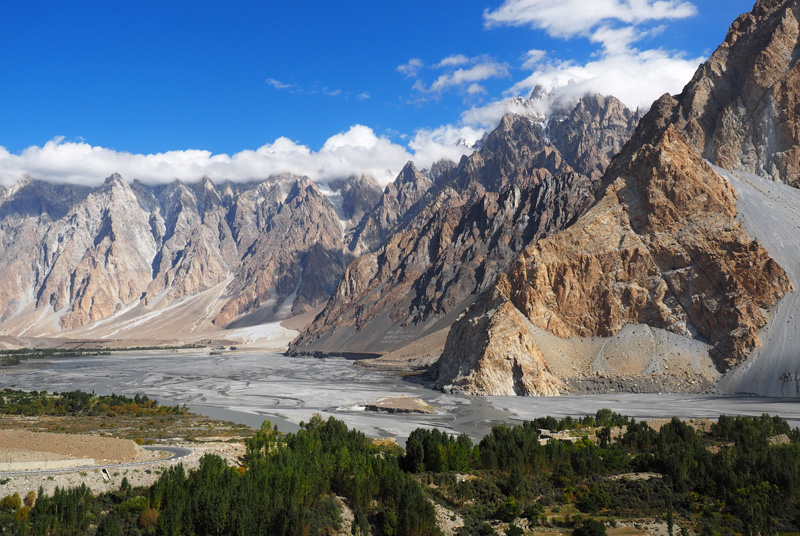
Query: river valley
x=251, y=387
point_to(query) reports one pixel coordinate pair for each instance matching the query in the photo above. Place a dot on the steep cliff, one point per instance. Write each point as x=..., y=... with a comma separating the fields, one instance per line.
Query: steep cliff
x=662, y=247
x=740, y=110
x=123, y=255
x=457, y=236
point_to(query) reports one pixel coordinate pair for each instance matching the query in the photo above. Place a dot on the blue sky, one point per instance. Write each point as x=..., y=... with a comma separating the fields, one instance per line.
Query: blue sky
x=314, y=87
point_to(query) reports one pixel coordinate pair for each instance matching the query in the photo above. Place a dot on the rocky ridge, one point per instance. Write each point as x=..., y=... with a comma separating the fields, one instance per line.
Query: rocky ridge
x=229, y=254
x=460, y=233
x=740, y=111
x=661, y=247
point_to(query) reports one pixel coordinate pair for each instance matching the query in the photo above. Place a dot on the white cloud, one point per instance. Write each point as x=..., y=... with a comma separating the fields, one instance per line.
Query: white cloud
x=635, y=77
x=298, y=90
x=277, y=84
x=615, y=40
x=476, y=89
x=476, y=73
x=357, y=150
x=568, y=18
x=411, y=68
x=488, y=116
x=452, y=61
x=363, y=96
x=460, y=72
x=533, y=58
x=448, y=142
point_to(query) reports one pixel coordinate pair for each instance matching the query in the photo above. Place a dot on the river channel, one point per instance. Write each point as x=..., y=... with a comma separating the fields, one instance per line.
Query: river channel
x=251, y=387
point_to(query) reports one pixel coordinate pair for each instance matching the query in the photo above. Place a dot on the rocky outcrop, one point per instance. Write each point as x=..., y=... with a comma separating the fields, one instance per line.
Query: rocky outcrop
x=459, y=235
x=661, y=246
x=98, y=258
x=491, y=352
x=359, y=195
x=295, y=250
x=441, y=172
x=353, y=198
x=592, y=132
x=394, y=207
x=740, y=111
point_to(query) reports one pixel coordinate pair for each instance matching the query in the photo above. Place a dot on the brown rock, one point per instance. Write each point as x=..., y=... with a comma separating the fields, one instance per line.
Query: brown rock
x=662, y=248
x=740, y=111
x=490, y=352
x=463, y=233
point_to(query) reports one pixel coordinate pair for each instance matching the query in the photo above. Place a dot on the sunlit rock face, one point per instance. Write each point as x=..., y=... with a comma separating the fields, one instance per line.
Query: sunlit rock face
x=75, y=256
x=661, y=246
x=532, y=176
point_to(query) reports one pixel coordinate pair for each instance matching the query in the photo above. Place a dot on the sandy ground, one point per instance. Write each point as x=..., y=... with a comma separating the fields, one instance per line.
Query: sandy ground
x=140, y=475
x=418, y=355
x=13, y=455
x=154, y=324
x=399, y=404
x=770, y=212
x=638, y=359
x=20, y=445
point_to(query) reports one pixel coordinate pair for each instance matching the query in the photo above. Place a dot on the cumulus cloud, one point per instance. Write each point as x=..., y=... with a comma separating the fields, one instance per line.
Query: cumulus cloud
x=446, y=142
x=533, y=58
x=452, y=61
x=476, y=73
x=568, y=18
x=636, y=77
x=411, y=68
x=488, y=116
x=476, y=89
x=357, y=150
x=617, y=67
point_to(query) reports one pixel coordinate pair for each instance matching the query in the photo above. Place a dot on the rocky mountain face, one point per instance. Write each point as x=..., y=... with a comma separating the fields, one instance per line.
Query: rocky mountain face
x=397, y=204
x=661, y=247
x=353, y=198
x=74, y=257
x=458, y=234
x=740, y=111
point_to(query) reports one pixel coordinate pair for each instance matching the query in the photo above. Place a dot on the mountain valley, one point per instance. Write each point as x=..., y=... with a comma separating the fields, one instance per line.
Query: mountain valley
x=582, y=247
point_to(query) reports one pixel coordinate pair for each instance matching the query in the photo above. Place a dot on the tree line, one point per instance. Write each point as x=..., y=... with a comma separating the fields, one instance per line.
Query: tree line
x=740, y=476
x=79, y=403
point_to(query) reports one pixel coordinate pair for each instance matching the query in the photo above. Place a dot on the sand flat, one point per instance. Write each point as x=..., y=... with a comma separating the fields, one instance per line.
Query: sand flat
x=21, y=445
x=770, y=212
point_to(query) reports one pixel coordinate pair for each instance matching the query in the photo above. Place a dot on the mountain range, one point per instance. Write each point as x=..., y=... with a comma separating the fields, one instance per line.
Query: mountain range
x=591, y=248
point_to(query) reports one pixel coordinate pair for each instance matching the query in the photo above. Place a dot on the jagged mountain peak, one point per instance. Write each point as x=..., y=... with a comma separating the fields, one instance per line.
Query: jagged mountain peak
x=115, y=179
x=663, y=246
x=455, y=237
x=409, y=171
x=410, y=176
x=207, y=184
x=740, y=108
x=539, y=93
x=440, y=171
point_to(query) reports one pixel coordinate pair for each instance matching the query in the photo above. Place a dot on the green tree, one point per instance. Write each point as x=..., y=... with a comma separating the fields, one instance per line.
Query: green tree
x=590, y=527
